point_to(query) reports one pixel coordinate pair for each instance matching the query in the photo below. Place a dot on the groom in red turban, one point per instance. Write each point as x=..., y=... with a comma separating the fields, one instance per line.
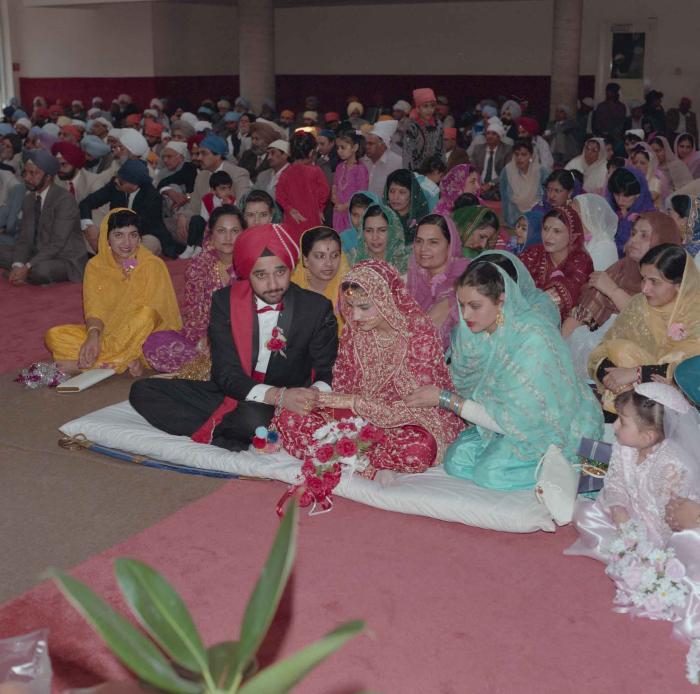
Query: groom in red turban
x=272, y=343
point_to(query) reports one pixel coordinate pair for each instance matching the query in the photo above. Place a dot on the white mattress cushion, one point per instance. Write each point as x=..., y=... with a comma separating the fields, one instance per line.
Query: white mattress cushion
x=433, y=493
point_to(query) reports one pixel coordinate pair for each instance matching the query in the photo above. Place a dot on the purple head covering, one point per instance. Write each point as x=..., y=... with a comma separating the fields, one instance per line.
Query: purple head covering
x=429, y=290
x=452, y=186
x=46, y=140
x=643, y=203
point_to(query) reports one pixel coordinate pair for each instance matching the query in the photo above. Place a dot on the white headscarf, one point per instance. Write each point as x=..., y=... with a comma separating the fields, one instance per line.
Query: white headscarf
x=384, y=130
x=134, y=141
x=652, y=168
x=597, y=216
x=681, y=425
x=178, y=147
x=600, y=226
x=678, y=173
x=595, y=175
x=496, y=126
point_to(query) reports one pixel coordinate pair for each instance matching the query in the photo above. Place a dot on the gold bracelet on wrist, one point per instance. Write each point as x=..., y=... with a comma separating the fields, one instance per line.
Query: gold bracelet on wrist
x=94, y=327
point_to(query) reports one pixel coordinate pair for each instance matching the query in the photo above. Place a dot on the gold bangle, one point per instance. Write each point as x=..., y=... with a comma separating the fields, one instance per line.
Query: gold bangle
x=94, y=327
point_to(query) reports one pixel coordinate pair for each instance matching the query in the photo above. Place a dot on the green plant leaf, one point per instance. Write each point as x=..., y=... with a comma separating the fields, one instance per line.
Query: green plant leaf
x=268, y=590
x=281, y=677
x=162, y=613
x=223, y=662
x=129, y=645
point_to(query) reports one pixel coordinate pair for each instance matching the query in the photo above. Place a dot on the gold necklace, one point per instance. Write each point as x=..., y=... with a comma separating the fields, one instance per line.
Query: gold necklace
x=223, y=272
x=384, y=341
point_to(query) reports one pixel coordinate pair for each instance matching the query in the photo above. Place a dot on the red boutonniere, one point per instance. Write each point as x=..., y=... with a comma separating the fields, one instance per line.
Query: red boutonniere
x=278, y=342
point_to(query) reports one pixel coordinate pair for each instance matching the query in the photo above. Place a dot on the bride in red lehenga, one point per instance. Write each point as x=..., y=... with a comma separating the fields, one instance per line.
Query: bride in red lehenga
x=389, y=347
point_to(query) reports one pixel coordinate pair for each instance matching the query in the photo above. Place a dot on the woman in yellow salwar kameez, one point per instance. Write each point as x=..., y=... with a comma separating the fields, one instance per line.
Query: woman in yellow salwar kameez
x=656, y=330
x=127, y=295
x=322, y=266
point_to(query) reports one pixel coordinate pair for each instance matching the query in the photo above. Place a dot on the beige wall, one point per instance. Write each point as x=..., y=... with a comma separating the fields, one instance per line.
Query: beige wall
x=193, y=39
x=132, y=39
x=511, y=37
x=109, y=41
x=478, y=38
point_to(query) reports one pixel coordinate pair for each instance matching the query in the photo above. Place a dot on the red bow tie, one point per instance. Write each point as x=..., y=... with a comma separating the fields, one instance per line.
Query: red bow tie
x=265, y=309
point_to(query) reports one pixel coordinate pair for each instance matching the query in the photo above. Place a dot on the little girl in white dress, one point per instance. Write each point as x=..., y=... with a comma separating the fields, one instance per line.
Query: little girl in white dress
x=656, y=458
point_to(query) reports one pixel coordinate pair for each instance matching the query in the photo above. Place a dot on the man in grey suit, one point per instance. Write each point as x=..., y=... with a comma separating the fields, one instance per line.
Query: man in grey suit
x=490, y=158
x=50, y=247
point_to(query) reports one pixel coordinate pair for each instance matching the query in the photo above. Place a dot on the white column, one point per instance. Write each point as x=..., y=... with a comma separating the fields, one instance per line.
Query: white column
x=256, y=40
x=566, y=50
x=7, y=86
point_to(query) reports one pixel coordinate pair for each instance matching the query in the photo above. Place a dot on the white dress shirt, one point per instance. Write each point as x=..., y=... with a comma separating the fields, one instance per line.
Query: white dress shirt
x=272, y=186
x=380, y=170
x=266, y=322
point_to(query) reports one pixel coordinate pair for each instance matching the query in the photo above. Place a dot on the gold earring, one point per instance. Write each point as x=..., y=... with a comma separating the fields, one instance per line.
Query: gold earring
x=499, y=318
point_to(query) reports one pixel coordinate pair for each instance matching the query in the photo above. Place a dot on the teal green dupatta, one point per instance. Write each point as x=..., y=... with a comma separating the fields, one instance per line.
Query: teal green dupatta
x=397, y=253
x=523, y=376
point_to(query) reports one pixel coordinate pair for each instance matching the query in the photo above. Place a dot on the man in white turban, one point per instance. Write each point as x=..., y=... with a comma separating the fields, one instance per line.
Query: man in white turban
x=490, y=158
x=379, y=159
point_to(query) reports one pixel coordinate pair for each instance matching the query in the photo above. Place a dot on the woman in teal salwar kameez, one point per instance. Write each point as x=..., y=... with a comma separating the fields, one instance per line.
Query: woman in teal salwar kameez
x=515, y=382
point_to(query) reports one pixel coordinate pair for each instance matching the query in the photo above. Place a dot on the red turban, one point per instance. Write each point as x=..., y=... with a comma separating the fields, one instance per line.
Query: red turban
x=133, y=119
x=250, y=246
x=41, y=112
x=72, y=130
x=253, y=242
x=529, y=124
x=450, y=133
x=153, y=129
x=421, y=96
x=195, y=140
x=73, y=154
x=55, y=110
x=331, y=116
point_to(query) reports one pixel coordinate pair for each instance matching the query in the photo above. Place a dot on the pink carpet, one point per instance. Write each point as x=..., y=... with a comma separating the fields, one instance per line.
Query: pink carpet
x=26, y=313
x=450, y=609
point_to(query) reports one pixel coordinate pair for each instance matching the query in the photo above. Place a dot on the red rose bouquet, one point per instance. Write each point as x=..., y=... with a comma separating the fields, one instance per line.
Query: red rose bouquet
x=338, y=446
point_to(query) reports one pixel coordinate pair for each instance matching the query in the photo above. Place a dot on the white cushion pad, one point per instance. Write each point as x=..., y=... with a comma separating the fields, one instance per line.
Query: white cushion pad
x=433, y=493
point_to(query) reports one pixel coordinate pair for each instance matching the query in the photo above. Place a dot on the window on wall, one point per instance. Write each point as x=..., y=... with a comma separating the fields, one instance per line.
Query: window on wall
x=627, y=57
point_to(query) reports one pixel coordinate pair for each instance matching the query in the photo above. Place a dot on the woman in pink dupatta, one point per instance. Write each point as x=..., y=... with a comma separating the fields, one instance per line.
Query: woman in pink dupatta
x=676, y=171
x=685, y=149
x=560, y=264
x=433, y=269
x=463, y=178
x=389, y=347
x=168, y=351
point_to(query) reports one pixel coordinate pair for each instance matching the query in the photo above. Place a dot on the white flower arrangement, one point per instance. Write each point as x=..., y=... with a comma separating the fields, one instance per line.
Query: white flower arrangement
x=650, y=582
x=647, y=577
x=692, y=662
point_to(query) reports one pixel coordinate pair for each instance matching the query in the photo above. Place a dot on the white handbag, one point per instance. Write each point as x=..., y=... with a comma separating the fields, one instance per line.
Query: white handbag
x=557, y=485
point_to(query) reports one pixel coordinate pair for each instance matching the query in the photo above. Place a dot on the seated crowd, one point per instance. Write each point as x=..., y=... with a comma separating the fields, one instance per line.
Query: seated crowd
x=477, y=293
x=474, y=289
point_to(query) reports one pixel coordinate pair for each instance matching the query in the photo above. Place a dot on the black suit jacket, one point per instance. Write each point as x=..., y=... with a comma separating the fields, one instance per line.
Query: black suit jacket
x=249, y=162
x=185, y=177
x=148, y=204
x=307, y=322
